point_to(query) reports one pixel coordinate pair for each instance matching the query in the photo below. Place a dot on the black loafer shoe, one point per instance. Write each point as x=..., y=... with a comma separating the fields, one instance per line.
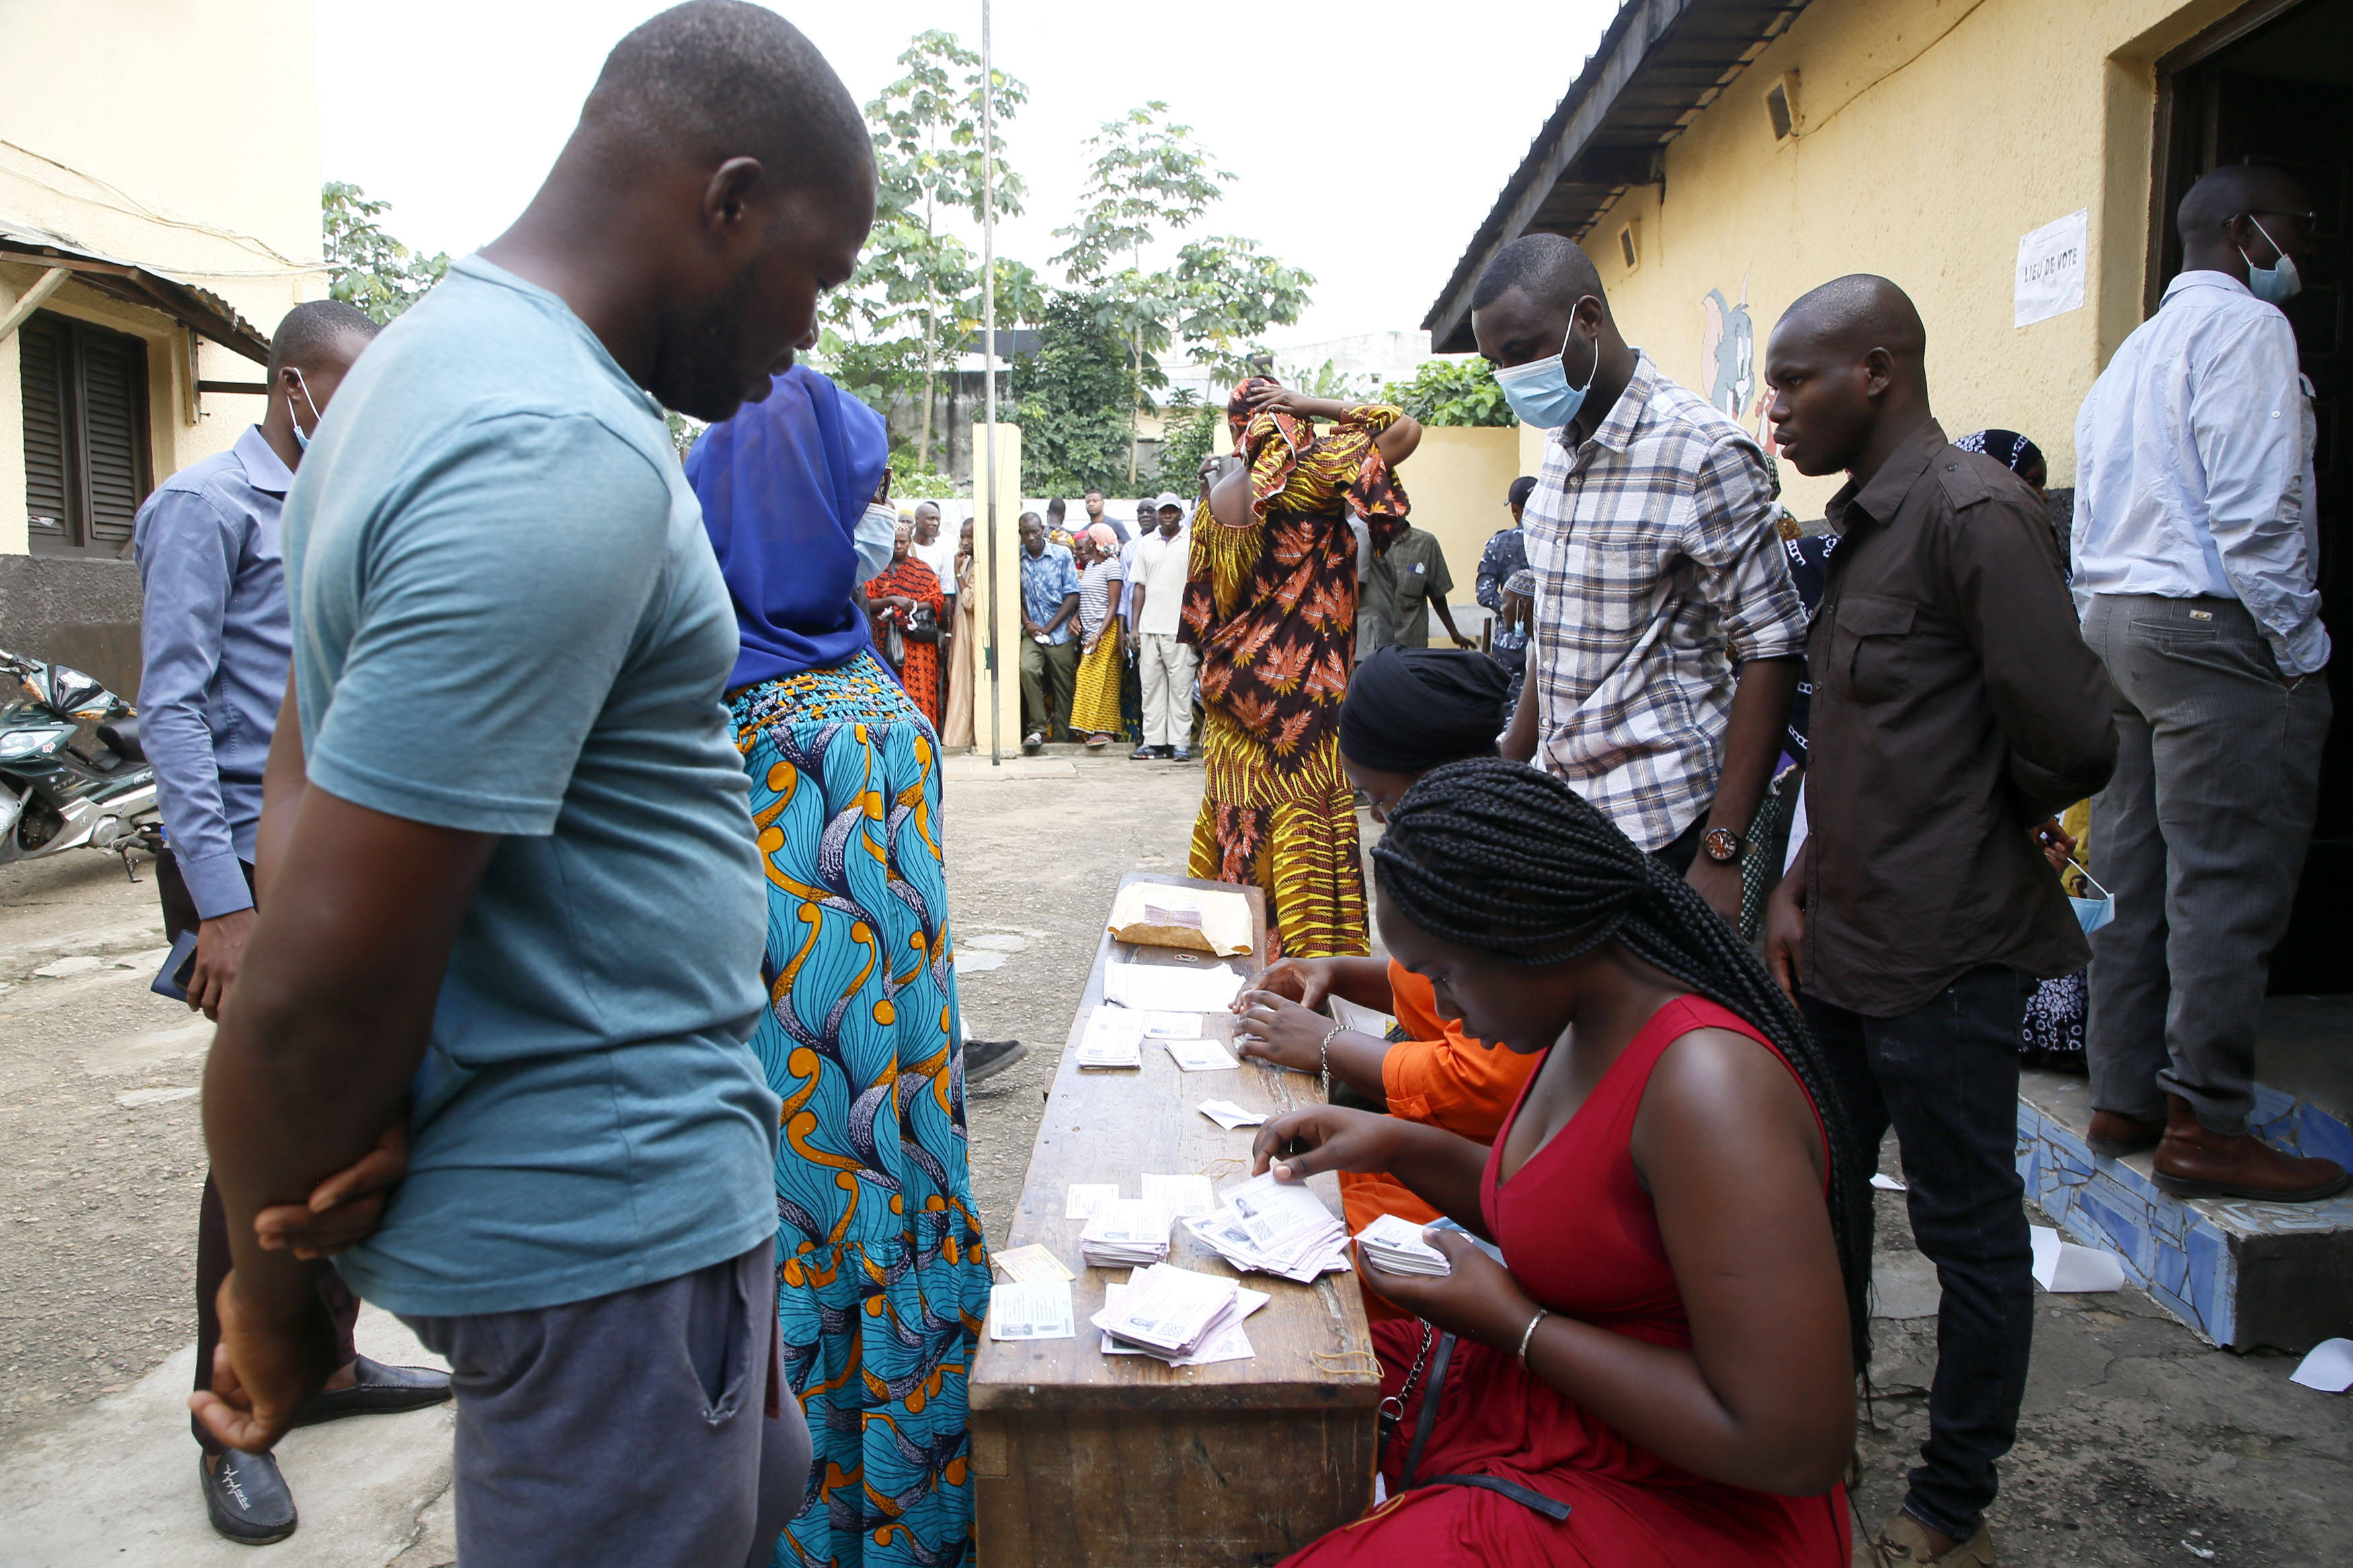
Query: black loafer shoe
x=380, y=1391
x=983, y=1058
x=247, y=1496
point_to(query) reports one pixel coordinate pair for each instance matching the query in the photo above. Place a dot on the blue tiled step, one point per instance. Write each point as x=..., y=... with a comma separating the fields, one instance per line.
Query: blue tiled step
x=2242, y=1275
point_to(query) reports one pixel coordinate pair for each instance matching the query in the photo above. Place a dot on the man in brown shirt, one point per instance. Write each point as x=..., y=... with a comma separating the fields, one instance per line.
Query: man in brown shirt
x=1954, y=708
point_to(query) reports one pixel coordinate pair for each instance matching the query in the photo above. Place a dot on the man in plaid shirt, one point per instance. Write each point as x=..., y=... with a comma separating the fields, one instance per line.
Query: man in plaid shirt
x=1667, y=633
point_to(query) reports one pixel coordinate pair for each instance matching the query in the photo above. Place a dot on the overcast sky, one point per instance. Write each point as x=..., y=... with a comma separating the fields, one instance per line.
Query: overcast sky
x=1369, y=138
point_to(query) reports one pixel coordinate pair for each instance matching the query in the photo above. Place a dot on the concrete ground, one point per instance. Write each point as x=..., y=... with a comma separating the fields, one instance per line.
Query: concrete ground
x=2140, y=1444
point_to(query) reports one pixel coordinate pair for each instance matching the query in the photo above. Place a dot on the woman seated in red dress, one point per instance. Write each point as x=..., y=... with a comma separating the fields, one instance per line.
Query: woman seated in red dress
x=1661, y=1370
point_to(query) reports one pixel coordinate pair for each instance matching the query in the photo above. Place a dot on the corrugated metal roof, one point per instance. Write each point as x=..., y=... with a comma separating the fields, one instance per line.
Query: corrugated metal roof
x=208, y=312
x=1660, y=62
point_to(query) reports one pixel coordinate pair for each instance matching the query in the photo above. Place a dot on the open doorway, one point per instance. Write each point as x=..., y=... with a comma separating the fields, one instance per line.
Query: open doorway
x=2273, y=85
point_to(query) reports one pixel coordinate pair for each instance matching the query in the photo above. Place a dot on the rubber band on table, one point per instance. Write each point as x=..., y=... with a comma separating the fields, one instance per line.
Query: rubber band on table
x=1335, y=1361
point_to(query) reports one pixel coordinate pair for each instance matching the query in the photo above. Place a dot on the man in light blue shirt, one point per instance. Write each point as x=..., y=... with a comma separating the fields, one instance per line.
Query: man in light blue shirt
x=1050, y=660
x=510, y=888
x=214, y=636
x=2197, y=557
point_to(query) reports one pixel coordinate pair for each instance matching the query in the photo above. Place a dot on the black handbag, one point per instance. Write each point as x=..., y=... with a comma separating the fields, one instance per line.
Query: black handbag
x=922, y=624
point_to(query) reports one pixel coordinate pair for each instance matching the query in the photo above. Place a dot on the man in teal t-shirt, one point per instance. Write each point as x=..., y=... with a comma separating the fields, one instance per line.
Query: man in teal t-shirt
x=511, y=871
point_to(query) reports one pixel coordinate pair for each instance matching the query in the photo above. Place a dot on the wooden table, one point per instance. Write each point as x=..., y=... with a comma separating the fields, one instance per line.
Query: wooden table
x=1123, y=1461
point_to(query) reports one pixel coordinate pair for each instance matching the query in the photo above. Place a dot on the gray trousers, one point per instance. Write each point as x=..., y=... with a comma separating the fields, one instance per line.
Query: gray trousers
x=2201, y=836
x=629, y=1428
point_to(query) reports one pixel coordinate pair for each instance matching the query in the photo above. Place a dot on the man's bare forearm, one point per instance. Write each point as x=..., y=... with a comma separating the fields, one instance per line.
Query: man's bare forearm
x=1520, y=736
x=1752, y=739
x=330, y=1012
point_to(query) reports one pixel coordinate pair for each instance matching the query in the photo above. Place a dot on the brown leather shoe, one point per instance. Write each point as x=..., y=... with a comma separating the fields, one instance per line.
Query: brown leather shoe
x=1902, y=1542
x=2114, y=1134
x=2194, y=1162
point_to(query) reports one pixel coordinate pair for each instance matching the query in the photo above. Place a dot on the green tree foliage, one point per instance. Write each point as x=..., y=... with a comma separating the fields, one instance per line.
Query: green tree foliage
x=1149, y=178
x=1072, y=400
x=905, y=316
x=1452, y=392
x=366, y=267
x=1187, y=433
x=1228, y=292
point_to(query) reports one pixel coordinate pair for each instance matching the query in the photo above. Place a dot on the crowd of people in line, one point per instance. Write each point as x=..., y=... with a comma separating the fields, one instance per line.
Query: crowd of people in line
x=483, y=1039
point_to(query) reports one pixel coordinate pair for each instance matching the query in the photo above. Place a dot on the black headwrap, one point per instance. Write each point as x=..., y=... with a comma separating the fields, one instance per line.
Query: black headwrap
x=1409, y=710
x=2008, y=447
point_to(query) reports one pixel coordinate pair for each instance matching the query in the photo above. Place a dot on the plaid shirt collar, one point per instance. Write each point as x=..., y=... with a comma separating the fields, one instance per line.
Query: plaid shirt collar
x=1617, y=432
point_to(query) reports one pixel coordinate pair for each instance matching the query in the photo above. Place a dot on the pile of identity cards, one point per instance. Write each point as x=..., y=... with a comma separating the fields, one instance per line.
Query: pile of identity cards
x=1181, y=1317
x=1271, y=1229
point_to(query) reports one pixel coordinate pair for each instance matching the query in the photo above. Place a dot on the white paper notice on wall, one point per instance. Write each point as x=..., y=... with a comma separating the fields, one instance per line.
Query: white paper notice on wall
x=2052, y=265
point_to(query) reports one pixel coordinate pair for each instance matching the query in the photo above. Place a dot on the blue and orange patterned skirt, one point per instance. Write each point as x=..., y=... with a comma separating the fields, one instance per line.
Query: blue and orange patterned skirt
x=883, y=1276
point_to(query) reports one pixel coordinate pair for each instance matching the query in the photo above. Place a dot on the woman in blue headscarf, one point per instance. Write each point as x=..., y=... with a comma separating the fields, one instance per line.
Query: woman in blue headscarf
x=883, y=1276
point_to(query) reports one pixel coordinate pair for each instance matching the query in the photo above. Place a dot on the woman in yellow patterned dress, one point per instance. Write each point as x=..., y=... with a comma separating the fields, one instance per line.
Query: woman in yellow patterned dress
x=1095, y=707
x=1271, y=605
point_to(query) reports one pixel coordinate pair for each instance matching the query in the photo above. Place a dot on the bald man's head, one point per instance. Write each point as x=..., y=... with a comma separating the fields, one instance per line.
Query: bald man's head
x=2233, y=191
x=1846, y=364
x=714, y=79
x=720, y=180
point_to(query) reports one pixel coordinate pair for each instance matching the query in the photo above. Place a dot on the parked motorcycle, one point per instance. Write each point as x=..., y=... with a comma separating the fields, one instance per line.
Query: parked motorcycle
x=61, y=788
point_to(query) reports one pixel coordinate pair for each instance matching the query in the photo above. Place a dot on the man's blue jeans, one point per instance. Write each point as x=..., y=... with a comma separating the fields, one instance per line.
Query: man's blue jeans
x=1946, y=1077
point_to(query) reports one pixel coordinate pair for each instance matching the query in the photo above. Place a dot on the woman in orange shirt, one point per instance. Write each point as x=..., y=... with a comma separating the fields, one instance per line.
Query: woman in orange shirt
x=1407, y=710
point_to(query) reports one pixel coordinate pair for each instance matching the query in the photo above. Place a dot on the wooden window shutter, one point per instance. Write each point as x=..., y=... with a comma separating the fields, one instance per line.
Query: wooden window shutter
x=114, y=397
x=42, y=354
x=86, y=464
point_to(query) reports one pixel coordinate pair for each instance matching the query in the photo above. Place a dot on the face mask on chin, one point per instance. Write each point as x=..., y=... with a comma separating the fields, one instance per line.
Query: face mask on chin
x=1540, y=392
x=2279, y=282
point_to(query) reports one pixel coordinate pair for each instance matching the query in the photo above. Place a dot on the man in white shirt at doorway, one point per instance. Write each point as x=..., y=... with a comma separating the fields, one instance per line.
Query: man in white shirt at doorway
x=1163, y=561
x=2196, y=556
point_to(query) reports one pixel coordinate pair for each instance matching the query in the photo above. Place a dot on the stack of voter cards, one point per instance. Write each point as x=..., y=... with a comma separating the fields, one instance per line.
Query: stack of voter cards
x=1228, y=1342
x=1113, y=1038
x=1169, y=1312
x=1395, y=1245
x=1125, y=1232
x=1275, y=1229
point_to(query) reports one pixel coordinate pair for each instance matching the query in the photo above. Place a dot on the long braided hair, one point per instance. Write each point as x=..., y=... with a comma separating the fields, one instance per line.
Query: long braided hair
x=1502, y=859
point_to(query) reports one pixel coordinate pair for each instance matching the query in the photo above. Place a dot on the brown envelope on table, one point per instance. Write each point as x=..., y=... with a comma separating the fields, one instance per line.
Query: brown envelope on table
x=1190, y=919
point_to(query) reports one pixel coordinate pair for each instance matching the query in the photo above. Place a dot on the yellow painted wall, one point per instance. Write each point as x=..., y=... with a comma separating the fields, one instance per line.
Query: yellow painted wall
x=1931, y=135
x=181, y=136
x=1457, y=480
x=1008, y=587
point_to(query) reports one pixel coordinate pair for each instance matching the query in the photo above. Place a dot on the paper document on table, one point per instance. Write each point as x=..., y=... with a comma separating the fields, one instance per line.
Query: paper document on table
x=1125, y=1230
x=1113, y=1038
x=1031, y=1310
x=1201, y=1056
x=1180, y=1195
x=1172, y=1025
x=1023, y=1264
x=1275, y=1229
x=1225, y=1343
x=2062, y=1267
x=1085, y=1198
x=1364, y=1020
x=1170, y=1311
x=1172, y=987
x=1229, y=1115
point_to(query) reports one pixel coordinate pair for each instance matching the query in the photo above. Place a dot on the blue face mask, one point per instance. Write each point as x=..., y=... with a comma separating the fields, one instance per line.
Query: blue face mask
x=1540, y=392
x=2279, y=282
x=877, y=538
x=2093, y=913
x=301, y=440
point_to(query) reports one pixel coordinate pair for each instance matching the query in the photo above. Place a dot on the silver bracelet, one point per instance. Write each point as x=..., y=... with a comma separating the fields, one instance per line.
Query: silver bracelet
x=1528, y=1333
x=1323, y=1053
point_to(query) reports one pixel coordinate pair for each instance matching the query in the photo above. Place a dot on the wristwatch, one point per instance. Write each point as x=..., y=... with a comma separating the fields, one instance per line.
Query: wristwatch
x=1722, y=846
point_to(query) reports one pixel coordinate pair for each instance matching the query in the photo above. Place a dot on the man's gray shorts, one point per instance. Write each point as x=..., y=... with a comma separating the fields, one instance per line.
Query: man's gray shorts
x=633, y=1428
